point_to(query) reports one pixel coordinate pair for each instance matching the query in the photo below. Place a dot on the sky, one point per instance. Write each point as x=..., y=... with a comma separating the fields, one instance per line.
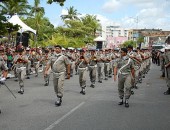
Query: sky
x=131, y=14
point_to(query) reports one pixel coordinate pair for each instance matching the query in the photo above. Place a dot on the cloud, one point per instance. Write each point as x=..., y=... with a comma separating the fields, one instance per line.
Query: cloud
x=111, y=6
x=64, y=12
x=148, y=13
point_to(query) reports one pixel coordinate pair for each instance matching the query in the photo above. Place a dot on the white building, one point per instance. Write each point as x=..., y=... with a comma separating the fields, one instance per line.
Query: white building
x=114, y=31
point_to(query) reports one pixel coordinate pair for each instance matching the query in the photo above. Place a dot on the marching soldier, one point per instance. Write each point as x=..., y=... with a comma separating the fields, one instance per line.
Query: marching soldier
x=162, y=62
x=3, y=66
x=92, y=68
x=100, y=65
x=126, y=74
x=71, y=56
x=28, y=65
x=59, y=64
x=83, y=63
x=77, y=55
x=107, y=64
x=44, y=60
x=20, y=62
x=35, y=59
x=167, y=68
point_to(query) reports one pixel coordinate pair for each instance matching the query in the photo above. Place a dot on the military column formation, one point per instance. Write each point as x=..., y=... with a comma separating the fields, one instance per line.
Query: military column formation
x=127, y=64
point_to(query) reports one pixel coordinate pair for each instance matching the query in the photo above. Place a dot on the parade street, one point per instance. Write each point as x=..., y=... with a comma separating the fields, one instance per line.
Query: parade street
x=97, y=110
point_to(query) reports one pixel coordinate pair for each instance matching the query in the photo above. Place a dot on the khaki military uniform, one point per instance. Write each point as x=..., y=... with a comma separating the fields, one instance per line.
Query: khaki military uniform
x=107, y=65
x=20, y=69
x=35, y=58
x=82, y=70
x=3, y=67
x=92, y=69
x=44, y=60
x=125, y=64
x=167, y=60
x=100, y=66
x=58, y=64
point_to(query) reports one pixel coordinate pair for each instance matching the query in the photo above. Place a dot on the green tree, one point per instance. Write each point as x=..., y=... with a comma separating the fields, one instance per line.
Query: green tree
x=140, y=40
x=61, y=2
x=11, y=7
x=72, y=14
x=36, y=8
x=92, y=22
x=130, y=42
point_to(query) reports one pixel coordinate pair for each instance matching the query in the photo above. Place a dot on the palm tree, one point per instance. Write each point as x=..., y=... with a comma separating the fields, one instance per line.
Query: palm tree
x=11, y=7
x=92, y=22
x=72, y=14
x=36, y=8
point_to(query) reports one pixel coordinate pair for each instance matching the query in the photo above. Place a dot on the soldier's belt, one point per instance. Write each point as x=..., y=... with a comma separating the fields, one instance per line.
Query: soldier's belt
x=81, y=68
x=21, y=68
x=57, y=74
x=92, y=66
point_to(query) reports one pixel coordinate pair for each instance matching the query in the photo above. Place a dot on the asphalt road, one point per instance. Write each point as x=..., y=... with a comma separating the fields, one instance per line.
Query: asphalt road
x=97, y=110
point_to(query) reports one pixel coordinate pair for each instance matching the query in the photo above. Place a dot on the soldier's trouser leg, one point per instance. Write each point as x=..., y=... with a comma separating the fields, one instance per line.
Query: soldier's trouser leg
x=21, y=76
x=128, y=86
x=106, y=70
x=100, y=70
x=76, y=69
x=28, y=68
x=92, y=74
x=72, y=69
x=124, y=83
x=121, y=81
x=46, y=77
x=36, y=68
x=136, y=76
x=82, y=77
x=58, y=81
x=110, y=69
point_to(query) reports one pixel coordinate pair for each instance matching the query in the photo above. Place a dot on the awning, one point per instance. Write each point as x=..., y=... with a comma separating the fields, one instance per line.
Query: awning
x=16, y=20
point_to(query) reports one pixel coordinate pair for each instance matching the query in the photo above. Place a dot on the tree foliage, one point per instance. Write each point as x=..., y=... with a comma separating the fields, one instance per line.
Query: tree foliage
x=76, y=32
x=61, y=2
x=11, y=7
x=130, y=42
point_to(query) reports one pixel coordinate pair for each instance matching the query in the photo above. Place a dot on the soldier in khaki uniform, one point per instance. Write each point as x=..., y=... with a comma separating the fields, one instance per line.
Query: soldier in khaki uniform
x=100, y=65
x=3, y=66
x=126, y=74
x=35, y=58
x=92, y=68
x=107, y=63
x=44, y=60
x=58, y=63
x=167, y=68
x=28, y=66
x=20, y=62
x=83, y=62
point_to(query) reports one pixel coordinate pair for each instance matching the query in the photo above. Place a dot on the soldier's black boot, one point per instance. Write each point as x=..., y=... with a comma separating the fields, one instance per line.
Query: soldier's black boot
x=167, y=92
x=121, y=102
x=59, y=101
x=163, y=74
x=126, y=103
x=46, y=83
x=21, y=91
x=92, y=85
x=83, y=91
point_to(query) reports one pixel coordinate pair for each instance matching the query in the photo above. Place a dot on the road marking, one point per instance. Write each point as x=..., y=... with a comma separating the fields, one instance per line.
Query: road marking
x=63, y=117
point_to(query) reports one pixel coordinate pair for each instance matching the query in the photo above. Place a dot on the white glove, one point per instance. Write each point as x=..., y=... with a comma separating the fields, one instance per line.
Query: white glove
x=2, y=79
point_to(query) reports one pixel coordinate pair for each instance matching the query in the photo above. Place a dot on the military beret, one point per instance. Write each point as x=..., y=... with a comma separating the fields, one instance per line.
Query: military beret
x=124, y=50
